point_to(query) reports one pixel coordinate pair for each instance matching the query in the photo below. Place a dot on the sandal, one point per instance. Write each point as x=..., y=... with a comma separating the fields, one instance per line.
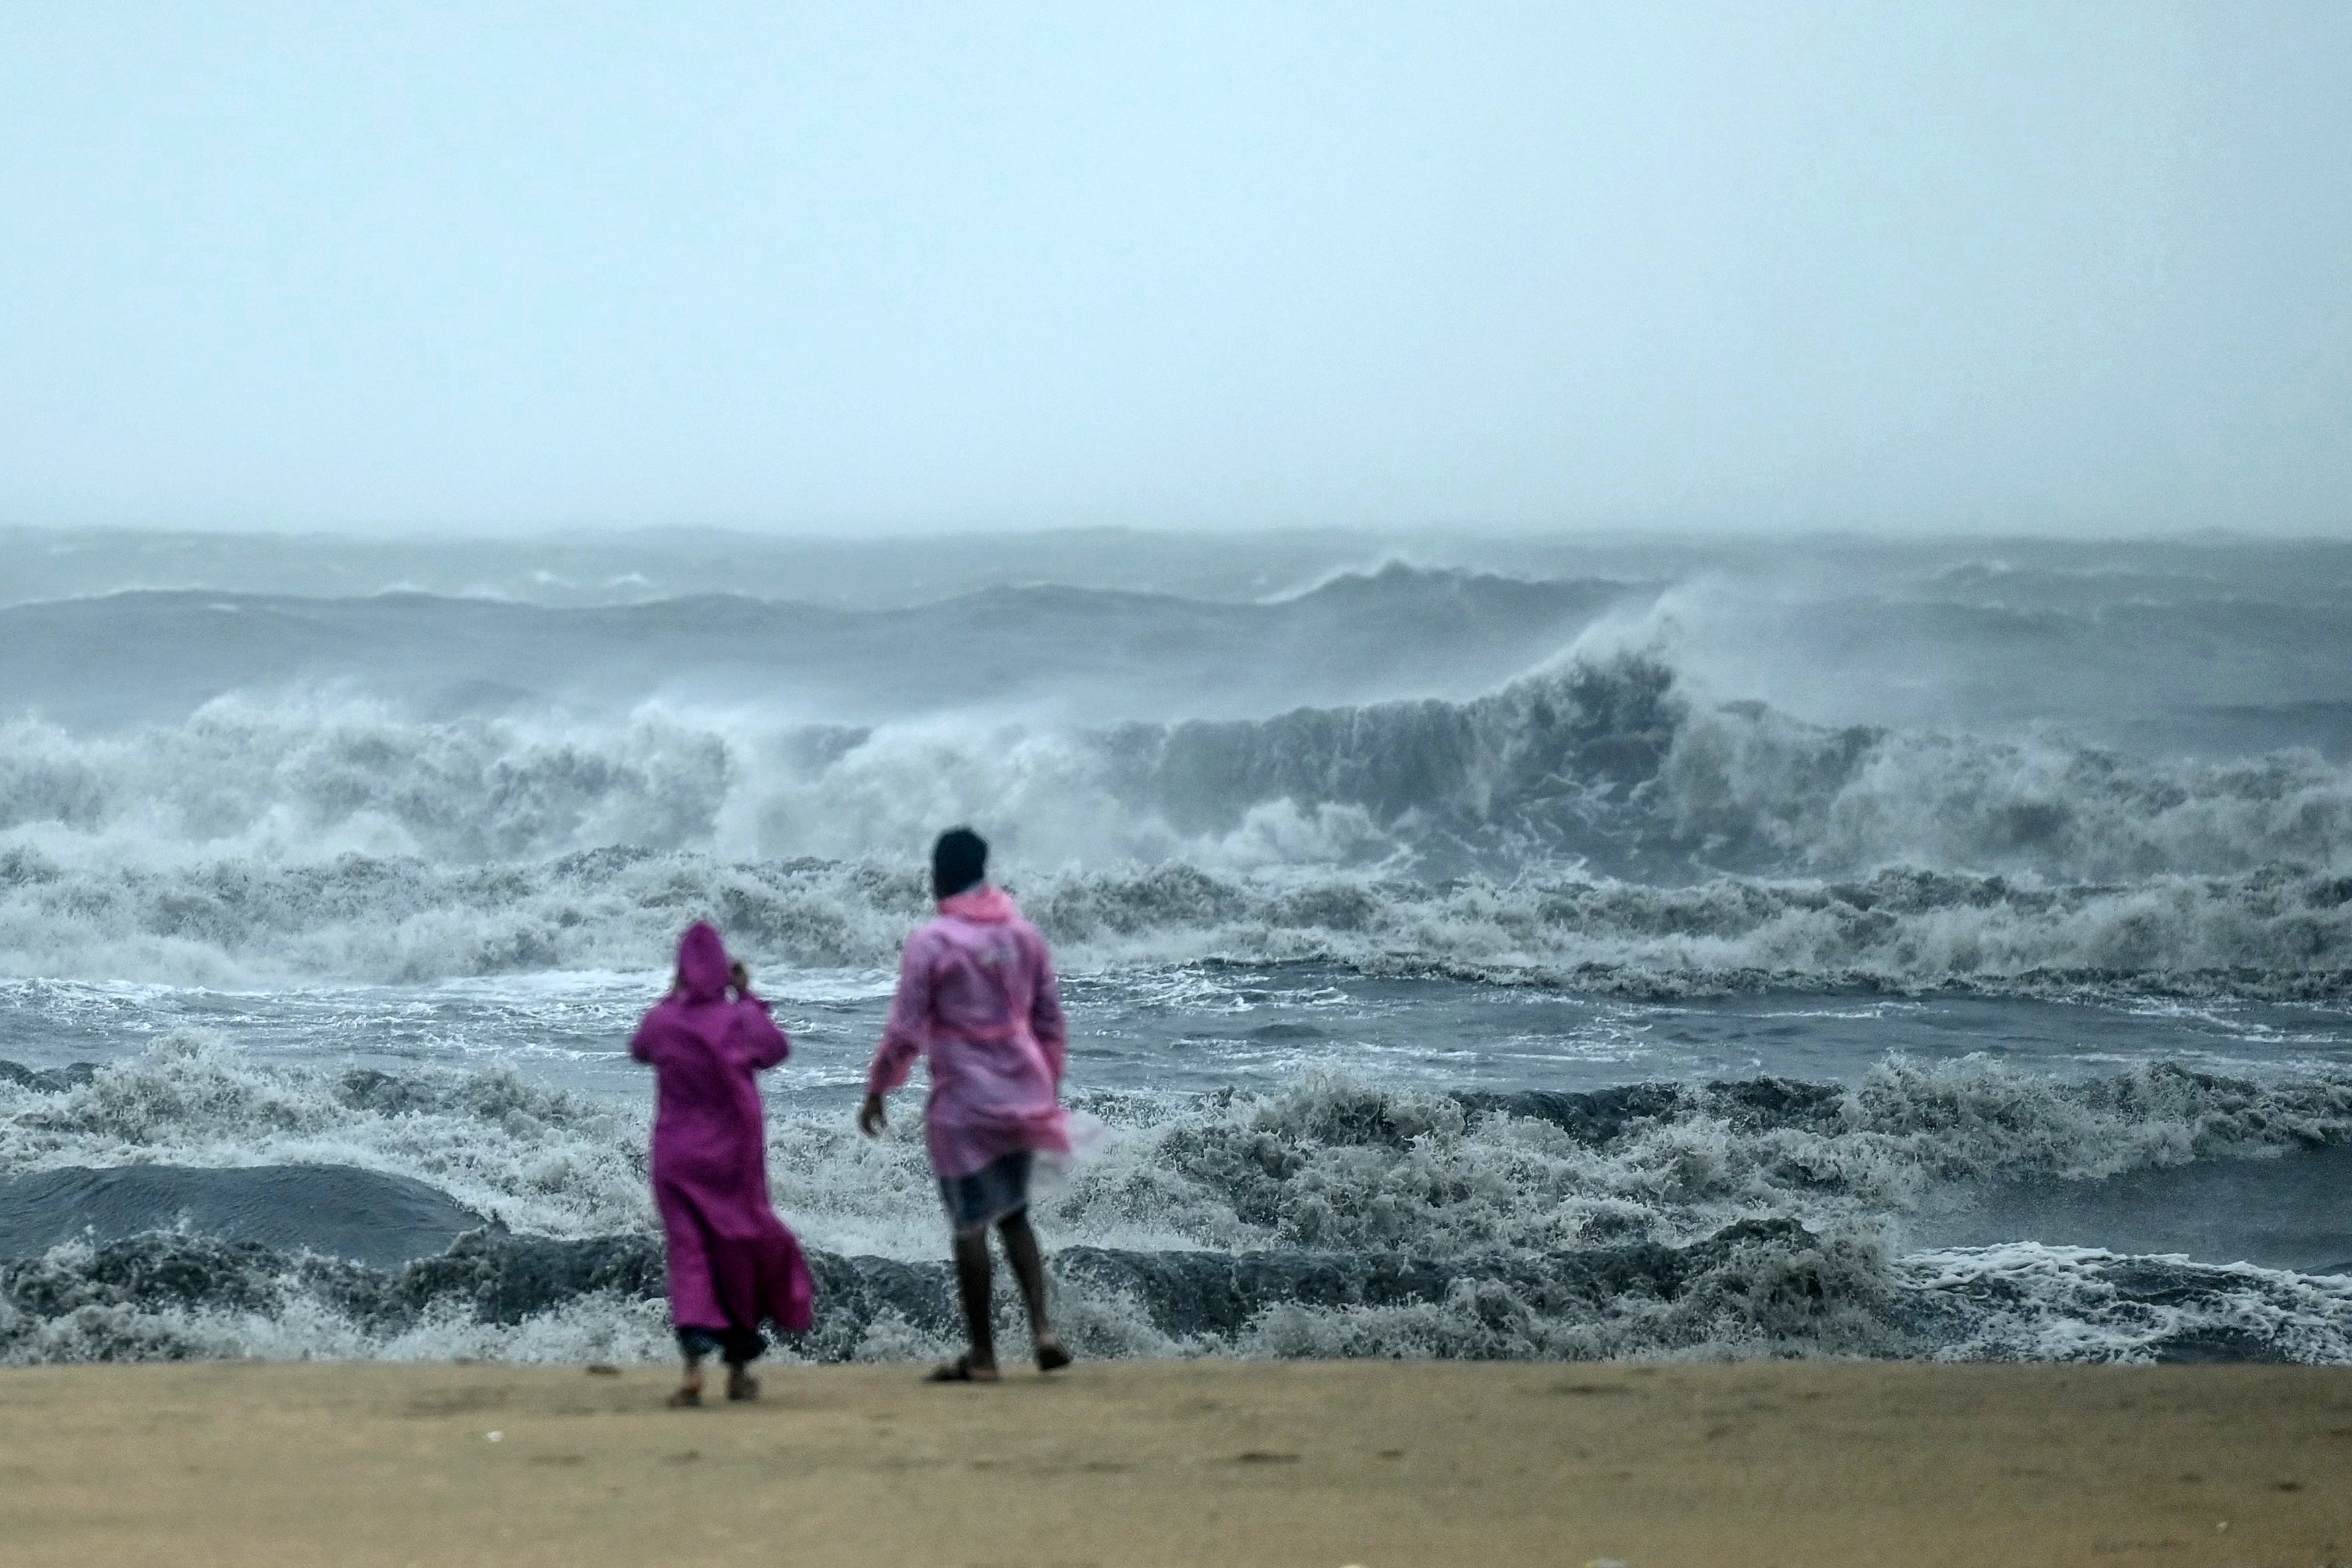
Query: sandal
x=742, y=1385
x=960, y=1370
x=687, y=1398
x=1052, y=1354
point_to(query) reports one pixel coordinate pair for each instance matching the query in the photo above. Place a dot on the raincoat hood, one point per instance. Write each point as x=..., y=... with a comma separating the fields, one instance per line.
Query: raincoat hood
x=702, y=963
x=984, y=903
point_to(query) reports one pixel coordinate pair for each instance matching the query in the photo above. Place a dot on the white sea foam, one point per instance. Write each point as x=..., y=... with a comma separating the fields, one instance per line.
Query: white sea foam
x=1604, y=759
x=1332, y=1163
x=2276, y=932
x=1606, y=822
x=1774, y=1209
x=2027, y=1302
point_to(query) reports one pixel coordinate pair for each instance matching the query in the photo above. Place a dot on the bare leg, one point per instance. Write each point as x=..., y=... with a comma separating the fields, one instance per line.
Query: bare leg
x=1029, y=1267
x=972, y=1284
x=1021, y=1248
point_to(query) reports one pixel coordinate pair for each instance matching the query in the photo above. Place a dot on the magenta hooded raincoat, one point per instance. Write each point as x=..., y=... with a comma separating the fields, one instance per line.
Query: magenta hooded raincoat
x=977, y=998
x=732, y=1263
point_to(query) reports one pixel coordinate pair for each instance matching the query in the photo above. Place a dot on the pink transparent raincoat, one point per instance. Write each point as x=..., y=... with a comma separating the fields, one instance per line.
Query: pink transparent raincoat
x=977, y=997
x=732, y=1263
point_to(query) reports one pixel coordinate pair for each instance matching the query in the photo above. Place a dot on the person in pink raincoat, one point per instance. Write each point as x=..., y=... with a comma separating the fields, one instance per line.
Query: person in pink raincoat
x=732, y=1263
x=977, y=999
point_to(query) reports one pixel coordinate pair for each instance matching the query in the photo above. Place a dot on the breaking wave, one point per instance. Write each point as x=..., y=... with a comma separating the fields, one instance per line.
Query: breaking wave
x=1330, y=1163
x=1764, y=1217
x=2279, y=931
x=1754, y=1290
x=1595, y=824
x=1611, y=765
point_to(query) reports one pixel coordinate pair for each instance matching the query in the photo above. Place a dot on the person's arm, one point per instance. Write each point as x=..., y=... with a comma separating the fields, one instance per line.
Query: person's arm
x=761, y=1040
x=763, y=1045
x=902, y=1037
x=1047, y=1020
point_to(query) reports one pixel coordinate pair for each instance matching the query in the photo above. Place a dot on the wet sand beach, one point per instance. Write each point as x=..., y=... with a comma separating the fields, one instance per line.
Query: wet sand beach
x=1333, y=1463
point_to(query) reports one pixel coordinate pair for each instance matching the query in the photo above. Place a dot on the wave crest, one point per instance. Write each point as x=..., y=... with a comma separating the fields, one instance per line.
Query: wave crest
x=2278, y=932
x=1608, y=762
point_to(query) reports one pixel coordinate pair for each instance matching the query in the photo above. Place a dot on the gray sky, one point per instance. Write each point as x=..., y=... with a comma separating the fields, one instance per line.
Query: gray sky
x=2033, y=267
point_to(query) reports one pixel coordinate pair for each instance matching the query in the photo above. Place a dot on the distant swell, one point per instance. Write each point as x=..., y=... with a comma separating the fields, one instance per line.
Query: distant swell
x=148, y=657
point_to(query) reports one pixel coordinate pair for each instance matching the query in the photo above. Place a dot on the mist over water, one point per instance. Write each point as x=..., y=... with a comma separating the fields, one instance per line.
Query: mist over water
x=1513, y=947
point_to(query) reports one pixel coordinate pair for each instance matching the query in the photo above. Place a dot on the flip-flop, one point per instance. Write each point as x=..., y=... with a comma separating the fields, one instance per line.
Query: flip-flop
x=960, y=1370
x=1051, y=1357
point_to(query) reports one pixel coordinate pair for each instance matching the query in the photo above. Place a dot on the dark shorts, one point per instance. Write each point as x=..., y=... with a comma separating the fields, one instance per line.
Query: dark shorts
x=997, y=1190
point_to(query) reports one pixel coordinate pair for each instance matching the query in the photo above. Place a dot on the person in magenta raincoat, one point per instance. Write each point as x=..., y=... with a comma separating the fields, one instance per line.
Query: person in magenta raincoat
x=977, y=999
x=732, y=1263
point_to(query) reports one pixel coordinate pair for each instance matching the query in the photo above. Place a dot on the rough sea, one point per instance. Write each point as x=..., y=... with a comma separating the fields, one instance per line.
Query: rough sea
x=1813, y=947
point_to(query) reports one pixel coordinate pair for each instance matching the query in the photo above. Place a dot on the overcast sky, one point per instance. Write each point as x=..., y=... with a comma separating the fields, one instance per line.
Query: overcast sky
x=2042, y=267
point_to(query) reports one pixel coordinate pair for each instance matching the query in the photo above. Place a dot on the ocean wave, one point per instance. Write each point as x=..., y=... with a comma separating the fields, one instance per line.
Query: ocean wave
x=1093, y=652
x=2025, y=1302
x=296, y=781
x=538, y=1159
x=2277, y=932
x=1757, y=1288
x=1610, y=761
x=1606, y=762
x=1330, y=1163
x=1752, y=1290
x=335, y=1209
x=1759, y=1218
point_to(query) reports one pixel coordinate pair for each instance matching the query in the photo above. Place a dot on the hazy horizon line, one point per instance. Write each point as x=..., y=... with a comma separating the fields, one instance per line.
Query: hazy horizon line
x=1648, y=535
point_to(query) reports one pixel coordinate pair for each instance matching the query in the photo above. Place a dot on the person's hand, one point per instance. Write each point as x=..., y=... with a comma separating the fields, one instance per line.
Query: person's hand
x=871, y=1118
x=740, y=977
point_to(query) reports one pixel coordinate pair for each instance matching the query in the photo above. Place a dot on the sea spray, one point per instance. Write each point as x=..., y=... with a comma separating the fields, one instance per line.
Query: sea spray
x=1331, y=1163
x=1463, y=966
x=1755, y=1289
x=2279, y=931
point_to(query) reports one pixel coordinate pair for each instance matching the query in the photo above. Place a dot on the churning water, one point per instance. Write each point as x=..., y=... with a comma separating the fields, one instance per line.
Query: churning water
x=1503, y=950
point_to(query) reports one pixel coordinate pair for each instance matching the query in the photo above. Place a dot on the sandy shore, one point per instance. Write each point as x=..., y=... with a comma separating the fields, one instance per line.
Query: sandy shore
x=1386, y=1465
